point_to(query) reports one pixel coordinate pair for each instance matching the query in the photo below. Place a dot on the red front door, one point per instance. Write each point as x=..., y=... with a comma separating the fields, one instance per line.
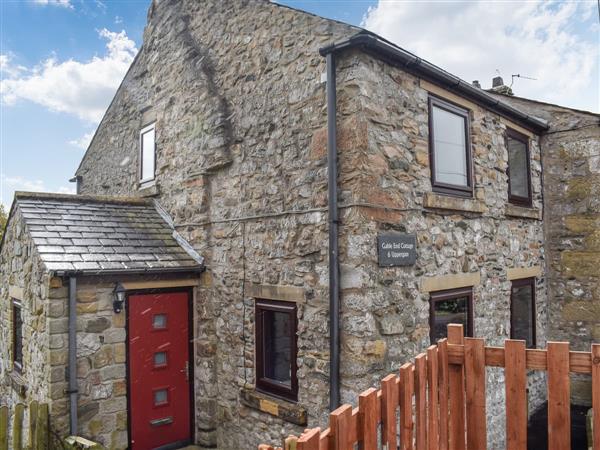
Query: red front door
x=159, y=385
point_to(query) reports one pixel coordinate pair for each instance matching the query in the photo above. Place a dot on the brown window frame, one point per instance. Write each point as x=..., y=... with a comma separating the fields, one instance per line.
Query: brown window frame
x=517, y=199
x=263, y=383
x=519, y=283
x=450, y=294
x=446, y=188
x=17, y=344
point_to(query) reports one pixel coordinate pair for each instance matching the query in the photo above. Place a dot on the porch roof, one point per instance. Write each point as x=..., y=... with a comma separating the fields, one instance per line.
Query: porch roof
x=95, y=235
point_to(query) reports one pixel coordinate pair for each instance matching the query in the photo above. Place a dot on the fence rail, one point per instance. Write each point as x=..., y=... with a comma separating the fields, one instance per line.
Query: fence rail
x=438, y=402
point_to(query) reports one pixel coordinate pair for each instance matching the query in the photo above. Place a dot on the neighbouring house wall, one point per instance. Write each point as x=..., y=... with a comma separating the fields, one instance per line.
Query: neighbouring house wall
x=386, y=310
x=22, y=277
x=571, y=158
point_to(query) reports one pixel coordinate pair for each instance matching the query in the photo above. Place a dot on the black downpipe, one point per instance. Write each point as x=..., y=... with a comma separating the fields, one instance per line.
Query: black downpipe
x=73, y=355
x=334, y=264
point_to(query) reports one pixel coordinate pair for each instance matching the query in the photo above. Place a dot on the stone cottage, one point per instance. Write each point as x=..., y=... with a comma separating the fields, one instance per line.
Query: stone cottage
x=276, y=210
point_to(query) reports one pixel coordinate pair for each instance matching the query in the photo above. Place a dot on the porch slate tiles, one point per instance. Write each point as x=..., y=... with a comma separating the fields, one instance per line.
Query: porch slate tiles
x=93, y=234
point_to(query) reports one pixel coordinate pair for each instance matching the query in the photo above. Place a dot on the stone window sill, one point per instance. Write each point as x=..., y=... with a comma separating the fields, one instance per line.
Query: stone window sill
x=522, y=212
x=439, y=201
x=149, y=189
x=18, y=383
x=287, y=411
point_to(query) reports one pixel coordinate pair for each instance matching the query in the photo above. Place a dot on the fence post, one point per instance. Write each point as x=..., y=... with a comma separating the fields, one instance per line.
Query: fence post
x=559, y=397
x=18, y=427
x=309, y=440
x=33, y=419
x=3, y=426
x=596, y=395
x=456, y=378
x=475, y=392
x=515, y=375
x=43, y=429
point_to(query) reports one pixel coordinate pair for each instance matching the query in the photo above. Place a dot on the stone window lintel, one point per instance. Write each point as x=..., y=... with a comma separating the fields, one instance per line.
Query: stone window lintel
x=285, y=410
x=448, y=202
x=522, y=212
x=277, y=292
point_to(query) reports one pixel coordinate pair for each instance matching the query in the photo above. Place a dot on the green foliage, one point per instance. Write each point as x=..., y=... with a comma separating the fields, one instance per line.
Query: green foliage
x=3, y=219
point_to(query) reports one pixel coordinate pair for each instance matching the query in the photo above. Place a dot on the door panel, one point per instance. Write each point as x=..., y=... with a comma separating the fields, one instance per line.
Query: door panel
x=159, y=385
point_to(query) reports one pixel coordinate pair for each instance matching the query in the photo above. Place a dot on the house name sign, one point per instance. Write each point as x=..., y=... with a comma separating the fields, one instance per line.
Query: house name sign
x=396, y=249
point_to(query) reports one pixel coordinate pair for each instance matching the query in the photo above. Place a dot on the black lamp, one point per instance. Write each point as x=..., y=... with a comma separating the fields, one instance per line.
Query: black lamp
x=119, y=298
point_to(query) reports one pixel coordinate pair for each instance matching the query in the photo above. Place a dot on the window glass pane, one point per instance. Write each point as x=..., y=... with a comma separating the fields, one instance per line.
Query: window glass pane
x=278, y=346
x=449, y=145
x=18, y=335
x=159, y=321
x=160, y=359
x=148, y=155
x=161, y=397
x=449, y=311
x=517, y=166
x=522, y=313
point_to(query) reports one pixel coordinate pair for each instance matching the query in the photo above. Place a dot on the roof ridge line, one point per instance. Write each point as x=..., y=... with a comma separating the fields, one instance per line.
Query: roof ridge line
x=82, y=198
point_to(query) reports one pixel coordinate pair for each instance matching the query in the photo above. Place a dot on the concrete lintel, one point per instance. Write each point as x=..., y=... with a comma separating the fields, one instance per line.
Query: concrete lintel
x=276, y=292
x=519, y=273
x=160, y=284
x=439, y=201
x=454, y=281
x=519, y=211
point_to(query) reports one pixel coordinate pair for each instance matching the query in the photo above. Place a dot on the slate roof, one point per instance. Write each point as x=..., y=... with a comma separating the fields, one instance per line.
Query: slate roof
x=99, y=235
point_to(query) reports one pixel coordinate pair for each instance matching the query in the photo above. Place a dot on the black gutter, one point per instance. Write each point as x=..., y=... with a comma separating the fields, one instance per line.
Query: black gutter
x=412, y=63
x=148, y=271
x=334, y=264
x=72, y=391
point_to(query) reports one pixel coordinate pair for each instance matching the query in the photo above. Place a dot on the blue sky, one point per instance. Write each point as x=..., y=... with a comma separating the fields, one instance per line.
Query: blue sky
x=62, y=60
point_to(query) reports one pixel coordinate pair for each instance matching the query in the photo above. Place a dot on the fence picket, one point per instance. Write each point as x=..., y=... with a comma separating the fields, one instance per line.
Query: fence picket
x=456, y=400
x=339, y=421
x=515, y=375
x=559, y=408
x=421, y=401
x=475, y=393
x=443, y=392
x=309, y=440
x=406, y=406
x=388, y=410
x=367, y=405
x=596, y=395
x=432, y=397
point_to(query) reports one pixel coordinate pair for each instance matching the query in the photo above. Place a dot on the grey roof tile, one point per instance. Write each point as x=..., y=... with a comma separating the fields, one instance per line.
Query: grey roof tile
x=95, y=234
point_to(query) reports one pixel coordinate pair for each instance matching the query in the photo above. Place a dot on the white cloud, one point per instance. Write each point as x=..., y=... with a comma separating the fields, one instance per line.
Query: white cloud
x=550, y=41
x=83, y=89
x=83, y=142
x=63, y=3
x=8, y=186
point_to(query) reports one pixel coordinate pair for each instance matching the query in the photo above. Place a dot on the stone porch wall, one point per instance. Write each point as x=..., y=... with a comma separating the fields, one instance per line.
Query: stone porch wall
x=22, y=277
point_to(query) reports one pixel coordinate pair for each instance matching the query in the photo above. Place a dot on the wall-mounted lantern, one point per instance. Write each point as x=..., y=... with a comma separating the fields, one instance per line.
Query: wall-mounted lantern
x=119, y=298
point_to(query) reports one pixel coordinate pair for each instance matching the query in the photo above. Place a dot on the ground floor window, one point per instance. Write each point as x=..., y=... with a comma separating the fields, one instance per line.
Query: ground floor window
x=17, y=335
x=276, y=348
x=450, y=306
x=522, y=311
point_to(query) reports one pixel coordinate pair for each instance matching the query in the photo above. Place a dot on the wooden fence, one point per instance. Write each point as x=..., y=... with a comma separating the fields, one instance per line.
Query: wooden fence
x=438, y=402
x=39, y=435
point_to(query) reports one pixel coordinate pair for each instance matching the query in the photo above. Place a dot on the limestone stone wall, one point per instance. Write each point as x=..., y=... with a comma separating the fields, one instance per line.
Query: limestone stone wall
x=571, y=158
x=22, y=277
x=385, y=174
x=238, y=96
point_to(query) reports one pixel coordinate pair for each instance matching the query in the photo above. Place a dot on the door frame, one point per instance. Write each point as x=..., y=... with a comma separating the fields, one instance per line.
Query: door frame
x=190, y=293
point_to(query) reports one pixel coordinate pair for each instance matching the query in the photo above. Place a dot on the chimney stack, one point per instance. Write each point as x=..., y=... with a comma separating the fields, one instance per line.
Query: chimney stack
x=476, y=84
x=499, y=87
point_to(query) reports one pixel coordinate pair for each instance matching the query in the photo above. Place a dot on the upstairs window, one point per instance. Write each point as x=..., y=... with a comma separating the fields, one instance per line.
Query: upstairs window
x=449, y=148
x=519, y=179
x=17, y=313
x=522, y=311
x=147, y=154
x=451, y=306
x=276, y=348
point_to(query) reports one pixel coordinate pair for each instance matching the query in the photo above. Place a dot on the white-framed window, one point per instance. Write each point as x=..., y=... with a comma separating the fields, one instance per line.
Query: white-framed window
x=147, y=153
